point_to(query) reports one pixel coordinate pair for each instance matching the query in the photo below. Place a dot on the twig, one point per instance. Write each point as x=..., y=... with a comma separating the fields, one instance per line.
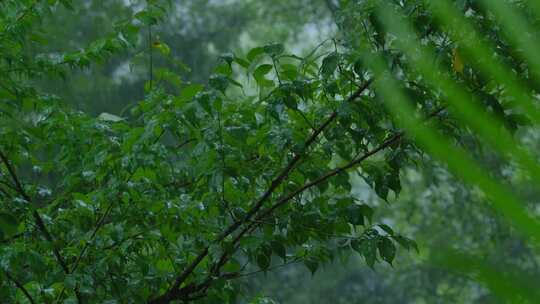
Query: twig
x=185, y=142
x=11, y=238
x=21, y=287
x=294, y=261
x=122, y=241
x=35, y=214
x=151, y=55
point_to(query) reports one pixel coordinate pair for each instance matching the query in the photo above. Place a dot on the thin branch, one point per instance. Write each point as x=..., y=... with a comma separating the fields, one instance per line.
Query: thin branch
x=21, y=287
x=285, y=199
x=7, y=184
x=303, y=227
x=151, y=55
x=5, y=193
x=99, y=224
x=224, y=202
x=330, y=174
x=395, y=138
x=11, y=238
x=276, y=70
x=158, y=138
x=18, y=186
x=122, y=241
x=306, y=119
x=237, y=275
x=39, y=221
x=35, y=214
x=185, y=142
x=294, y=261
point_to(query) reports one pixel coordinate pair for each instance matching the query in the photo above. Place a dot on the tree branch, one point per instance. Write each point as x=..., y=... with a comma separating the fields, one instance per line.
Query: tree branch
x=175, y=292
x=37, y=218
x=21, y=287
x=336, y=171
x=35, y=214
x=285, y=199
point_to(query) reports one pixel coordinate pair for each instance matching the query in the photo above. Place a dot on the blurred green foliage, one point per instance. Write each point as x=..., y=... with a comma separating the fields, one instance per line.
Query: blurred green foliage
x=195, y=32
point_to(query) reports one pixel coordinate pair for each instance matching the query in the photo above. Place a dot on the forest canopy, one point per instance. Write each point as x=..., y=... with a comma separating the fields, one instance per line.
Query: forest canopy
x=164, y=152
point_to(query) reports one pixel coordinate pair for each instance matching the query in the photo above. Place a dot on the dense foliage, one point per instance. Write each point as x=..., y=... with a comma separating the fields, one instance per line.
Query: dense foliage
x=199, y=184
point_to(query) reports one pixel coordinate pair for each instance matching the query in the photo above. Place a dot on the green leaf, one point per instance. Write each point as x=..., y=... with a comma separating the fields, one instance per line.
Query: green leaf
x=241, y=62
x=405, y=242
x=311, y=264
x=224, y=69
x=355, y=214
x=219, y=82
x=259, y=74
x=367, y=211
x=164, y=266
x=254, y=53
x=387, y=229
x=369, y=251
x=394, y=182
x=228, y=58
x=329, y=64
x=146, y=18
x=262, y=70
x=342, y=179
x=381, y=189
x=274, y=49
x=67, y=4
x=70, y=281
x=289, y=71
x=188, y=92
x=279, y=249
x=356, y=245
x=235, y=83
x=290, y=102
x=162, y=47
x=8, y=224
x=232, y=266
x=263, y=260
x=387, y=249
x=520, y=119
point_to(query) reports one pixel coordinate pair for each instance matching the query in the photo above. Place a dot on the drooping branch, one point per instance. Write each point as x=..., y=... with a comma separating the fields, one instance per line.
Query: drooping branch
x=285, y=199
x=355, y=162
x=288, y=197
x=4, y=193
x=37, y=218
x=21, y=287
x=99, y=224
